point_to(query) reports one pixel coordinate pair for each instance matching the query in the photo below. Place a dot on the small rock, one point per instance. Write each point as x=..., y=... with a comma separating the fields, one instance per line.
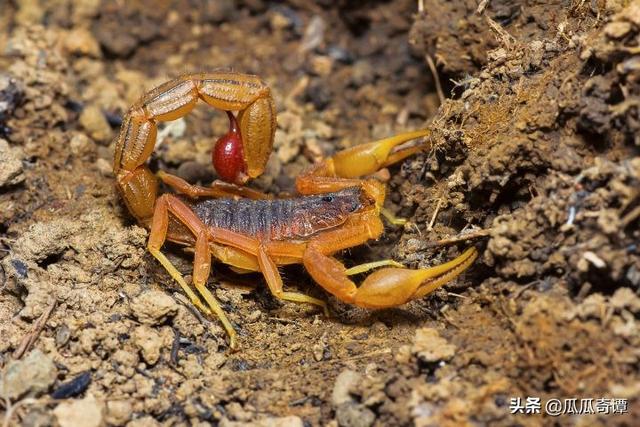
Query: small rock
x=80, y=41
x=74, y=387
x=346, y=384
x=180, y=151
x=63, y=333
x=279, y=22
x=153, y=307
x=149, y=342
x=104, y=167
x=288, y=148
x=11, y=170
x=219, y=10
x=11, y=94
x=361, y=73
x=32, y=374
x=321, y=65
x=147, y=421
x=320, y=349
x=617, y=29
x=95, y=124
x=429, y=346
x=354, y=415
x=29, y=12
x=37, y=417
x=80, y=144
x=118, y=412
x=313, y=34
x=80, y=413
x=625, y=298
x=594, y=259
x=83, y=10
x=290, y=421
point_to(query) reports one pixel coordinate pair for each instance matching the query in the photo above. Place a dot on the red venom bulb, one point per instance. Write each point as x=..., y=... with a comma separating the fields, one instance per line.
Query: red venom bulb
x=228, y=155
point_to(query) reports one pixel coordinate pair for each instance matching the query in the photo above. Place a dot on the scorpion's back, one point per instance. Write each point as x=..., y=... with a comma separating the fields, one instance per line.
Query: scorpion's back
x=279, y=219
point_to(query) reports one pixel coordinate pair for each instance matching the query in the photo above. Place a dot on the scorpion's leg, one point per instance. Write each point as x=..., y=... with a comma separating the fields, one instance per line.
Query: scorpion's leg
x=363, y=268
x=392, y=218
x=387, y=287
x=274, y=281
x=268, y=267
x=202, y=263
x=217, y=188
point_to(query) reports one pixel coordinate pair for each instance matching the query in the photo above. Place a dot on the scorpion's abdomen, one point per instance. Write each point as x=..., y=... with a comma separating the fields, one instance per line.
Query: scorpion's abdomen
x=280, y=218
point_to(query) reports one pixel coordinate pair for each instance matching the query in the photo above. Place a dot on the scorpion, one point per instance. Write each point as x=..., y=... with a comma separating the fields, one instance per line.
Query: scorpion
x=338, y=206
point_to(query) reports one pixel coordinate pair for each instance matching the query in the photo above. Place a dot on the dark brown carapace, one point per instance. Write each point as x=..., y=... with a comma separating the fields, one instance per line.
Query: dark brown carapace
x=281, y=219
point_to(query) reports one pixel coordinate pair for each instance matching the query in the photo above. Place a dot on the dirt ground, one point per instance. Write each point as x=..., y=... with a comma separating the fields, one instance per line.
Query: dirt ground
x=535, y=160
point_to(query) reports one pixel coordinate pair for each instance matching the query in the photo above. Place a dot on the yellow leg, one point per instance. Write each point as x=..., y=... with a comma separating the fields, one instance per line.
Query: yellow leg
x=363, y=268
x=202, y=262
x=393, y=220
x=215, y=307
x=274, y=281
x=175, y=274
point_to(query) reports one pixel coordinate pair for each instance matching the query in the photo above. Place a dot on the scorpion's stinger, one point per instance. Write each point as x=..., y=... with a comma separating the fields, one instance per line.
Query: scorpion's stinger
x=226, y=91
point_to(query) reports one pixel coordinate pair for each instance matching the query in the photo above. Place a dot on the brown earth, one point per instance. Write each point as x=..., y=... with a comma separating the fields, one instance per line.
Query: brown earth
x=535, y=154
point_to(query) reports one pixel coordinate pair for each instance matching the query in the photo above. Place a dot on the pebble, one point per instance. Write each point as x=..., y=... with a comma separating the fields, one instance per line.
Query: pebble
x=362, y=73
x=147, y=421
x=429, y=346
x=80, y=144
x=29, y=12
x=345, y=385
x=96, y=124
x=118, y=412
x=80, y=41
x=313, y=34
x=219, y=10
x=149, y=342
x=11, y=94
x=63, y=333
x=321, y=65
x=290, y=421
x=33, y=374
x=617, y=29
x=354, y=415
x=73, y=387
x=104, y=167
x=153, y=307
x=11, y=170
x=87, y=412
x=279, y=22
